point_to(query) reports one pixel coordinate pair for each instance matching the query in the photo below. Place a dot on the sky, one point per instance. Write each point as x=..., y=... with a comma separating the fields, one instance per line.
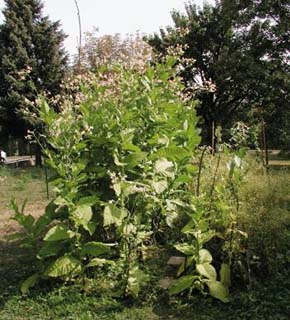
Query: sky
x=111, y=16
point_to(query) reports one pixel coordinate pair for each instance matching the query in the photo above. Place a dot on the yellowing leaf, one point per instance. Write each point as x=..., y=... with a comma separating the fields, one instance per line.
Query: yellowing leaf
x=164, y=167
x=160, y=186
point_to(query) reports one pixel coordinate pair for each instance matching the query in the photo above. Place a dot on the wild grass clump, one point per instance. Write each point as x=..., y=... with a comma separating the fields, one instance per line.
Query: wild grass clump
x=265, y=217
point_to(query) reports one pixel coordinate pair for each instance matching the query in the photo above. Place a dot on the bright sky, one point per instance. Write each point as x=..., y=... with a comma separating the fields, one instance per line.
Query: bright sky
x=112, y=16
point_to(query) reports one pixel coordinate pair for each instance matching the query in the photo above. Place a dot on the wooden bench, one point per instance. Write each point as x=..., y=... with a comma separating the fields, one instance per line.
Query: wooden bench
x=19, y=161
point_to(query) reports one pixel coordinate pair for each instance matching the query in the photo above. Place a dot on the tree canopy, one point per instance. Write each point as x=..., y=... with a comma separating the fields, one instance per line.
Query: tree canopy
x=33, y=61
x=239, y=47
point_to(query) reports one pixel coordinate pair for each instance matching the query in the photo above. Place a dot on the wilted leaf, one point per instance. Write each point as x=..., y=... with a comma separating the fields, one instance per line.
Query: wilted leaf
x=171, y=216
x=160, y=186
x=164, y=167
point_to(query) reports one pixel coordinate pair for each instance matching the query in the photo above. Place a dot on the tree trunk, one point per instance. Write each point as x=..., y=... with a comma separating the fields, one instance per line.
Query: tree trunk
x=38, y=156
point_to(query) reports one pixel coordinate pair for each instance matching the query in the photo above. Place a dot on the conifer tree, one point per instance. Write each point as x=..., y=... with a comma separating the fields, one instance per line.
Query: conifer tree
x=32, y=61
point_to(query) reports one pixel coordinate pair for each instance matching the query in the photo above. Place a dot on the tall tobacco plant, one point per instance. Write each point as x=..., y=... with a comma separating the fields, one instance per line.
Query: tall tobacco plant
x=122, y=159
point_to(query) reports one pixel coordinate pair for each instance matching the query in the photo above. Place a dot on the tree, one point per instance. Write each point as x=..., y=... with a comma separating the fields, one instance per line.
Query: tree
x=236, y=46
x=33, y=61
x=109, y=49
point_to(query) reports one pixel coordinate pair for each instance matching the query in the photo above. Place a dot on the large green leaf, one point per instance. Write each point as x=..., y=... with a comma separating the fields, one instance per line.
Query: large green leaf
x=88, y=201
x=50, y=249
x=218, y=290
x=136, y=279
x=207, y=270
x=98, y=262
x=58, y=232
x=64, y=266
x=113, y=215
x=181, y=284
x=95, y=248
x=225, y=275
x=29, y=283
x=83, y=215
x=134, y=159
x=185, y=248
x=171, y=217
x=204, y=256
x=41, y=224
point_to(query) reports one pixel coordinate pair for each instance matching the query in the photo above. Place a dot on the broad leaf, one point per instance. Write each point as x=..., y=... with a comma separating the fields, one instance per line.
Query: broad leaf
x=218, y=290
x=50, y=249
x=164, y=167
x=160, y=186
x=204, y=256
x=88, y=201
x=185, y=248
x=95, y=248
x=136, y=279
x=58, y=232
x=113, y=215
x=64, y=266
x=181, y=284
x=29, y=283
x=83, y=215
x=206, y=270
x=134, y=159
x=225, y=275
x=98, y=262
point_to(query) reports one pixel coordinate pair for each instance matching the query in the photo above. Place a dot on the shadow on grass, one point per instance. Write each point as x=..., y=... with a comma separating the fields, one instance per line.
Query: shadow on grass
x=15, y=265
x=268, y=300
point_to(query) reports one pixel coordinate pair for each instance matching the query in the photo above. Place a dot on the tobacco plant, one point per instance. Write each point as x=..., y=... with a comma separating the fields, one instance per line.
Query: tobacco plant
x=124, y=155
x=122, y=163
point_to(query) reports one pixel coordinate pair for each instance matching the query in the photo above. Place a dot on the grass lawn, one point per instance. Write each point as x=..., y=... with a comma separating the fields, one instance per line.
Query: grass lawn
x=21, y=184
x=267, y=298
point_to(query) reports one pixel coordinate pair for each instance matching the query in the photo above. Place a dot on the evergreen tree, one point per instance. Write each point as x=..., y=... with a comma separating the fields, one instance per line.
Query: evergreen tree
x=32, y=61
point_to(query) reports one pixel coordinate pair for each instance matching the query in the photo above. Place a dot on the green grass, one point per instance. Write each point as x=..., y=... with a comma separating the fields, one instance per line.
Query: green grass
x=22, y=184
x=265, y=216
x=268, y=300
